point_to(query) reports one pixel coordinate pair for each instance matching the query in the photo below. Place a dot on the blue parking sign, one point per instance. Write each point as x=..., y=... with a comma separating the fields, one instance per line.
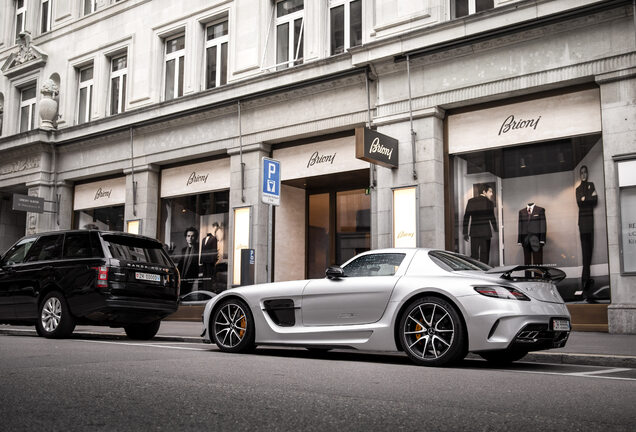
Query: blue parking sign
x=271, y=182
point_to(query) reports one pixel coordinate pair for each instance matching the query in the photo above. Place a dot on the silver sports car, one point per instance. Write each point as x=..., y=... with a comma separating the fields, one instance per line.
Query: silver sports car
x=432, y=304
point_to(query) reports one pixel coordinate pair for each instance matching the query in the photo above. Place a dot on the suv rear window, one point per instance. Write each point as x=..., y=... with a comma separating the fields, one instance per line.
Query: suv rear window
x=135, y=249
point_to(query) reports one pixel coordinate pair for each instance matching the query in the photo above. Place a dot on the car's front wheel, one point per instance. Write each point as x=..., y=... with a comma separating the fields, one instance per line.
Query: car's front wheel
x=233, y=326
x=54, y=317
x=144, y=331
x=432, y=333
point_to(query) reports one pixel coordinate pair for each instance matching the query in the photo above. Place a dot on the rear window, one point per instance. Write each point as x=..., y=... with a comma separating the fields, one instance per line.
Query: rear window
x=453, y=262
x=135, y=249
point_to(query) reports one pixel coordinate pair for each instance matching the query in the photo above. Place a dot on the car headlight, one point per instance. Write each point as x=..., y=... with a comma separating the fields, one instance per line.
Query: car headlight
x=503, y=292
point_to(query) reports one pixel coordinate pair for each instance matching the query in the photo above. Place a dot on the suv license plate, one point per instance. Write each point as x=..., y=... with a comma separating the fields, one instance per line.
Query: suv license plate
x=148, y=277
x=560, y=325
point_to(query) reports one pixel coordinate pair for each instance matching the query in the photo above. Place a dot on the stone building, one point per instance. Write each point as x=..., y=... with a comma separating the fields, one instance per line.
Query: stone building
x=154, y=116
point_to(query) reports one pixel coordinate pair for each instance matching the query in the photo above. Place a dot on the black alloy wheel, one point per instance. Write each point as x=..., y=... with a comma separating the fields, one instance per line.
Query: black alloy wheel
x=233, y=326
x=144, y=331
x=431, y=332
x=54, y=317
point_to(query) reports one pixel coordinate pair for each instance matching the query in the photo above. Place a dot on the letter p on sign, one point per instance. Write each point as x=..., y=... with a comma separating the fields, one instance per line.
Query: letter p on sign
x=270, y=191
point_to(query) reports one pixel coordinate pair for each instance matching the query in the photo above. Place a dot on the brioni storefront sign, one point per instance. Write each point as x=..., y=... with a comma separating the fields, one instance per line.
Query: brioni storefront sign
x=541, y=119
x=100, y=194
x=200, y=177
x=376, y=148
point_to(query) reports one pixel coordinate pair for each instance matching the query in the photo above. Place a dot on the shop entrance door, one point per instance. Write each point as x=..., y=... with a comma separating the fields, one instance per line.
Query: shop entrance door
x=338, y=228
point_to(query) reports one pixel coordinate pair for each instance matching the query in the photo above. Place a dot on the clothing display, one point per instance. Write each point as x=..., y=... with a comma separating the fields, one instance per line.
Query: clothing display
x=586, y=199
x=532, y=233
x=209, y=254
x=479, y=217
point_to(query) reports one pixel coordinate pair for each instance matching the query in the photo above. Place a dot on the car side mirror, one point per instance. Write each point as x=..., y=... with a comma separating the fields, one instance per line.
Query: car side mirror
x=334, y=272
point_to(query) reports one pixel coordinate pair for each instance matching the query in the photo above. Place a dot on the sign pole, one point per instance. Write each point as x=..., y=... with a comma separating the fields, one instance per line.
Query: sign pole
x=270, y=231
x=270, y=195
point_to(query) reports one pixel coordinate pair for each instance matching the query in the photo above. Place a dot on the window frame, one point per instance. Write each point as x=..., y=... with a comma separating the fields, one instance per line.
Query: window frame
x=89, y=85
x=217, y=42
x=292, y=51
x=122, y=76
x=178, y=56
x=30, y=104
x=20, y=12
x=472, y=8
x=45, y=21
x=92, y=7
x=346, y=4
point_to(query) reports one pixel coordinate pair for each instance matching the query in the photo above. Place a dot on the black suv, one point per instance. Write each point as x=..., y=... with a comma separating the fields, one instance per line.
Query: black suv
x=59, y=279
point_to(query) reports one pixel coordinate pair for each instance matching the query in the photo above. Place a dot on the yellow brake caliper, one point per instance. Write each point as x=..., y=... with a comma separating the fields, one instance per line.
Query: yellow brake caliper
x=243, y=325
x=418, y=328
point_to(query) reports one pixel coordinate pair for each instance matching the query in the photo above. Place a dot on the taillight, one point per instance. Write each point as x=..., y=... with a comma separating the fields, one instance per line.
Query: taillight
x=503, y=292
x=102, y=276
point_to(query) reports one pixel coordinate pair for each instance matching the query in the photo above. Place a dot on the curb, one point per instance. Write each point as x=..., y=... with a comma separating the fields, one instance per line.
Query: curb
x=605, y=360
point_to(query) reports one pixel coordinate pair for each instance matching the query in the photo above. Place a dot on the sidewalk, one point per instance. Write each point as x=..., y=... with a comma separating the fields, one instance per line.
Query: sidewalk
x=583, y=348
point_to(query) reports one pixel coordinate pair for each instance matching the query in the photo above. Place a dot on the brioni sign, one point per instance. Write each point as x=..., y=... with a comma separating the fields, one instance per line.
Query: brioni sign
x=376, y=148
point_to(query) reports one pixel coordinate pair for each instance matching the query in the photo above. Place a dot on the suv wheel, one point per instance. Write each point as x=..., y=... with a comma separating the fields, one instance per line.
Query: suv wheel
x=54, y=317
x=142, y=331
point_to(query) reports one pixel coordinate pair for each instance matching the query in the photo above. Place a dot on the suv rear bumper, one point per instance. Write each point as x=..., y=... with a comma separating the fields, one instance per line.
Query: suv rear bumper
x=128, y=310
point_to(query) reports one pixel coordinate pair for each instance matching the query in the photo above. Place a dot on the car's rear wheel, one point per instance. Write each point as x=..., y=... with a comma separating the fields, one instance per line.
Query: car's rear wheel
x=54, y=317
x=503, y=357
x=233, y=326
x=432, y=333
x=144, y=331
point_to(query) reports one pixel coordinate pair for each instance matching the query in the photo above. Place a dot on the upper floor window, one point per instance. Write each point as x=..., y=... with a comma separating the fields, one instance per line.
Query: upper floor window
x=118, y=73
x=45, y=16
x=174, y=58
x=216, y=54
x=90, y=6
x=85, y=94
x=289, y=32
x=467, y=7
x=20, y=17
x=28, y=98
x=345, y=23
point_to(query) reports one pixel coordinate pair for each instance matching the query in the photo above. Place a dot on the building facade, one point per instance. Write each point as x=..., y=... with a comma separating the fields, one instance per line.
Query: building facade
x=506, y=132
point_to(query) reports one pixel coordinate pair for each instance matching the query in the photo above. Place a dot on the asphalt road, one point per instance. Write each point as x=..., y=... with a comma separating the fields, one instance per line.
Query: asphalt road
x=96, y=384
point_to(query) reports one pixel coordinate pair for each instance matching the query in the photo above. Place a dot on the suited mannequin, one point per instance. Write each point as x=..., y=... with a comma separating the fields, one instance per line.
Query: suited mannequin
x=586, y=199
x=480, y=215
x=188, y=264
x=532, y=233
x=210, y=252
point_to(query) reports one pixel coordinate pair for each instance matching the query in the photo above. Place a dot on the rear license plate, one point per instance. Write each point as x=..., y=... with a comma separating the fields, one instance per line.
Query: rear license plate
x=560, y=324
x=148, y=277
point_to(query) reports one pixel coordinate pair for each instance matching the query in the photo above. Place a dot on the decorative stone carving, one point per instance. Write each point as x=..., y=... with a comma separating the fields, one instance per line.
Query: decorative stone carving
x=25, y=52
x=27, y=58
x=48, y=104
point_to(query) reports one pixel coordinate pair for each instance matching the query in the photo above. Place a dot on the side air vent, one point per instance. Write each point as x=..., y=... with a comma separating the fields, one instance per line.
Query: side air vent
x=281, y=311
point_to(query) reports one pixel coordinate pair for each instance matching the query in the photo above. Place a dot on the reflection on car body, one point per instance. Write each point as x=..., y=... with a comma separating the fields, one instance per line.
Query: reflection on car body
x=432, y=304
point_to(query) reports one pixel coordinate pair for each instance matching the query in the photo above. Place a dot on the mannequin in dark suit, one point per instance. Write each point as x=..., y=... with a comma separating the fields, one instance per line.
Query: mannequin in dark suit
x=188, y=264
x=586, y=199
x=532, y=223
x=210, y=252
x=478, y=219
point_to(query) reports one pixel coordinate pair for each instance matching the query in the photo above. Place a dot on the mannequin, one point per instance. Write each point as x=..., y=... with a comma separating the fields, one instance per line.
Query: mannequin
x=532, y=233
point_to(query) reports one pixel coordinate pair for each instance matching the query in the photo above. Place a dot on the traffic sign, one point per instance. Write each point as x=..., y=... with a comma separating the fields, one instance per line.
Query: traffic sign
x=271, y=182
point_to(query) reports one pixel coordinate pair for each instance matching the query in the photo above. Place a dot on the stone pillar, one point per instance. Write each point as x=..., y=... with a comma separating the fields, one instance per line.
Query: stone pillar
x=618, y=111
x=64, y=218
x=146, y=201
x=41, y=222
x=429, y=167
x=249, y=197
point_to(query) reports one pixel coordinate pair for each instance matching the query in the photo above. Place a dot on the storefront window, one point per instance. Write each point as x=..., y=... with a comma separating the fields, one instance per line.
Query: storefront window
x=193, y=228
x=104, y=218
x=539, y=203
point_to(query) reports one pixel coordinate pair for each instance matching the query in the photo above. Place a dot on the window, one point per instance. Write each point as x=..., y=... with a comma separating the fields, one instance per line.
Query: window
x=90, y=6
x=374, y=265
x=45, y=16
x=47, y=248
x=345, y=21
x=85, y=94
x=453, y=262
x=18, y=252
x=77, y=245
x=468, y=7
x=216, y=54
x=289, y=33
x=27, y=108
x=175, y=56
x=118, y=72
x=20, y=17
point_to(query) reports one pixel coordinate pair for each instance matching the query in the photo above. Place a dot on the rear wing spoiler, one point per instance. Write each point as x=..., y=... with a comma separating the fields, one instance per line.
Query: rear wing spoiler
x=537, y=272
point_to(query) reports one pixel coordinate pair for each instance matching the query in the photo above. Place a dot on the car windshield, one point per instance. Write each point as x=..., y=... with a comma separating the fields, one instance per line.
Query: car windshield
x=136, y=249
x=454, y=262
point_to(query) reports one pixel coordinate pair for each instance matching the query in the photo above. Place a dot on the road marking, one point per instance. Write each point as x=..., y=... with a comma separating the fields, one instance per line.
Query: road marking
x=145, y=345
x=593, y=374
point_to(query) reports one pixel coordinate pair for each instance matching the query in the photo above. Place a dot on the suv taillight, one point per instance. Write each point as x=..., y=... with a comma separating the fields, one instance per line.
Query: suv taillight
x=102, y=276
